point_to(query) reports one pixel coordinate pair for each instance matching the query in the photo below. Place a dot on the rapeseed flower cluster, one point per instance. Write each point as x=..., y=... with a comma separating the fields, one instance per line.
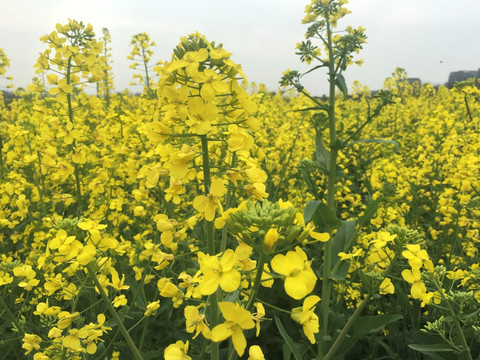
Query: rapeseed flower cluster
x=113, y=196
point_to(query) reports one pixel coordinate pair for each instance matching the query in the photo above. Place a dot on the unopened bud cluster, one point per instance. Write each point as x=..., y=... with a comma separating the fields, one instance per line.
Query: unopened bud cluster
x=266, y=226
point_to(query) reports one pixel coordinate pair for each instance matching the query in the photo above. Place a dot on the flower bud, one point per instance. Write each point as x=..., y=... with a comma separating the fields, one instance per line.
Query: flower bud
x=271, y=238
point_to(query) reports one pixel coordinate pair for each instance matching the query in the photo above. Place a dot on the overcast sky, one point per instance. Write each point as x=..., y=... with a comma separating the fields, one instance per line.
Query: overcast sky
x=429, y=38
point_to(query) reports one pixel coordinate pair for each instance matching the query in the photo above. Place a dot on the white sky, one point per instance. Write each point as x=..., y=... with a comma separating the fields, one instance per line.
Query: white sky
x=429, y=38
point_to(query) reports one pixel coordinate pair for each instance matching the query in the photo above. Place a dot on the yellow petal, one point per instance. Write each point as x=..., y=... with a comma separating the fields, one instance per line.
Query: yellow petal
x=221, y=332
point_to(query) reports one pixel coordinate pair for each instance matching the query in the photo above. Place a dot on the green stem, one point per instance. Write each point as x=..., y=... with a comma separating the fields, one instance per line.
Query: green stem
x=210, y=232
x=332, y=167
x=466, y=349
x=69, y=96
x=338, y=342
x=147, y=78
x=257, y=281
x=468, y=108
x=135, y=296
x=274, y=307
x=79, y=190
x=228, y=202
x=114, y=313
x=70, y=118
x=1, y=157
x=11, y=316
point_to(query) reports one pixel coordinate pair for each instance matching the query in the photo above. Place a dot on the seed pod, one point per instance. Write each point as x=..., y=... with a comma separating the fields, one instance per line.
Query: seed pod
x=294, y=232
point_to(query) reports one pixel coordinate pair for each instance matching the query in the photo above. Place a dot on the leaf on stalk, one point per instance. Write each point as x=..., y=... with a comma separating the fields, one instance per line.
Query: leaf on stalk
x=315, y=68
x=343, y=236
x=321, y=154
x=323, y=107
x=426, y=348
x=291, y=345
x=344, y=233
x=375, y=141
x=369, y=212
x=340, y=83
x=321, y=215
x=341, y=272
x=372, y=323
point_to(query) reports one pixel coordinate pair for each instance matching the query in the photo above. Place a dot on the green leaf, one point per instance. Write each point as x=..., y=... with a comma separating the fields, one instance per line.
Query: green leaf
x=152, y=354
x=315, y=68
x=375, y=141
x=340, y=82
x=321, y=153
x=323, y=107
x=341, y=272
x=423, y=348
x=372, y=323
x=369, y=212
x=344, y=233
x=321, y=215
x=291, y=345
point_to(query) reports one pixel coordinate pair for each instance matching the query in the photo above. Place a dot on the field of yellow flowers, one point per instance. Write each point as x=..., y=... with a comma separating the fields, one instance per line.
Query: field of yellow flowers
x=208, y=218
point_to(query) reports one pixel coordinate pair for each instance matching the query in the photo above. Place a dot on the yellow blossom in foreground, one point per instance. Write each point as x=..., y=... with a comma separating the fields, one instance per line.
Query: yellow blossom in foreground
x=196, y=322
x=307, y=318
x=413, y=277
x=386, y=287
x=72, y=341
x=177, y=351
x=208, y=205
x=417, y=257
x=255, y=353
x=218, y=272
x=237, y=319
x=299, y=277
x=271, y=238
x=31, y=342
x=152, y=307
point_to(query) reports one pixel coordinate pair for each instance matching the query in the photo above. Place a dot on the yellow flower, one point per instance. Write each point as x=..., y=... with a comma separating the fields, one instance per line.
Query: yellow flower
x=177, y=351
x=218, y=272
x=255, y=353
x=237, y=320
x=413, y=277
x=201, y=114
x=307, y=318
x=387, y=287
x=120, y=300
x=239, y=139
x=31, y=342
x=207, y=205
x=344, y=256
x=196, y=322
x=180, y=162
x=299, y=277
x=152, y=307
x=5, y=278
x=417, y=257
x=258, y=316
x=271, y=238
x=72, y=341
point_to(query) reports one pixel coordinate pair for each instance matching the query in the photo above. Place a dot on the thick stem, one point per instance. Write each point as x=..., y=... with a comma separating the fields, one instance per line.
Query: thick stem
x=1, y=157
x=332, y=167
x=257, y=281
x=210, y=239
x=70, y=118
x=468, y=108
x=338, y=342
x=147, y=78
x=118, y=321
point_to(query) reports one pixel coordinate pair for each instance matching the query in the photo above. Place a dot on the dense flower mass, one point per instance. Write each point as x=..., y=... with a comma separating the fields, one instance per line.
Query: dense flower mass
x=181, y=222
